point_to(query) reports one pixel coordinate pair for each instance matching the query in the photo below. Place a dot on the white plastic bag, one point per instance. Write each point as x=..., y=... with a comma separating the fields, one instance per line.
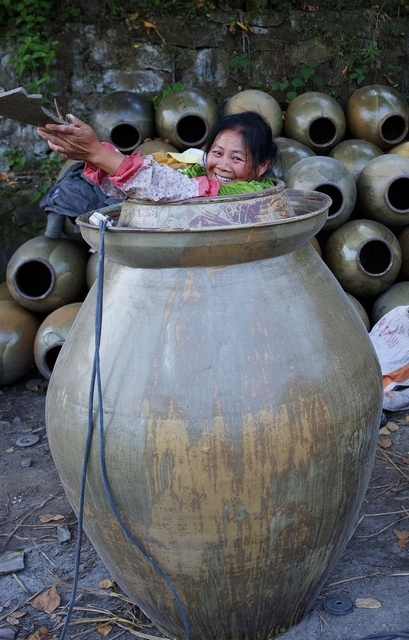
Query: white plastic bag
x=390, y=338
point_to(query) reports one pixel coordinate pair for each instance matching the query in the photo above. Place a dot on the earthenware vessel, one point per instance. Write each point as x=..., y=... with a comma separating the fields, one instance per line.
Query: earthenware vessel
x=379, y=114
x=315, y=119
x=124, y=119
x=355, y=154
x=51, y=336
x=91, y=271
x=5, y=292
x=289, y=152
x=383, y=190
x=326, y=175
x=186, y=117
x=241, y=417
x=153, y=146
x=361, y=311
x=44, y=274
x=260, y=101
x=401, y=149
x=316, y=246
x=396, y=296
x=365, y=257
x=403, y=239
x=18, y=328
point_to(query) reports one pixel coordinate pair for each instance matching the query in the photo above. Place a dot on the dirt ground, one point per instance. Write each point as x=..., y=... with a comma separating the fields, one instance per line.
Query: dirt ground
x=37, y=560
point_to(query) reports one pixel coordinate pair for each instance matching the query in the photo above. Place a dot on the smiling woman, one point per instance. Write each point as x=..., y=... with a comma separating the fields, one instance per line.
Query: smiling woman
x=240, y=153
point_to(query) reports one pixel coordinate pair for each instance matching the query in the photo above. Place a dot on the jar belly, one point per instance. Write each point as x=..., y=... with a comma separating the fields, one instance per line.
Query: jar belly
x=241, y=409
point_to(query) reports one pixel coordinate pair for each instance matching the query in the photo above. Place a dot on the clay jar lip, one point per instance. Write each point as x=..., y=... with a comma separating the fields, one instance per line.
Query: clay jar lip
x=330, y=141
x=124, y=124
x=383, y=121
x=365, y=245
x=335, y=187
x=386, y=194
x=190, y=115
x=45, y=267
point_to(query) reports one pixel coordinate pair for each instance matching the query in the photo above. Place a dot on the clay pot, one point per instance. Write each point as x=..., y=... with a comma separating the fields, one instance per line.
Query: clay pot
x=355, y=154
x=5, y=292
x=316, y=120
x=364, y=256
x=290, y=152
x=401, y=149
x=71, y=230
x=124, y=119
x=316, y=246
x=328, y=176
x=259, y=101
x=361, y=311
x=379, y=114
x=186, y=118
x=91, y=272
x=18, y=328
x=153, y=146
x=403, y=239
x=44, y=274
x=397, y=295
x=241, y=416
x=51, y=336
x=383, y=190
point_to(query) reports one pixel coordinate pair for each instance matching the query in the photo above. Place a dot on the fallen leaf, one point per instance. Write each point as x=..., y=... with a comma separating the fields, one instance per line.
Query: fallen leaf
x=14, y=618
x=406, y=418
x=47, y=601
x=107, y=583
x=402, y=544
x=392, y=426
x=402, y=535
x=42, y=634
x=104, y=629
x=132, y=16
x=50, y=518
x=10, y=450
x=148, y=25
x=385, y=443
x=367, y=603
x=405, y=460
x=384, y=431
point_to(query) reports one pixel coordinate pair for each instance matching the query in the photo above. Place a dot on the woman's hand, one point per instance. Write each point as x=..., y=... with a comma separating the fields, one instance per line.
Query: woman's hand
x=78, y=141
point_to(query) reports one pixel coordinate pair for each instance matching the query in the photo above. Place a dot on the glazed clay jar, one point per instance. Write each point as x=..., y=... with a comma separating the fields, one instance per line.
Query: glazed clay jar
x=383, y=190
x=124, y=119
x=329, y=176
x=51, y=336
x=255, y=100
x=397, y=295
x=18, y=328
x=289, y=153
x=44, y=274
x=316, y=120
x=241, y=402
x=361, y=311
x=355, y=154
x=379, y=114
x=365, y=257
x=186, y=117
x=403, y=238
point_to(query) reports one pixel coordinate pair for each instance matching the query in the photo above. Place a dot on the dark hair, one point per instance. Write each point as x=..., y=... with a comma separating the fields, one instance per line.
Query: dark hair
x=256, y=134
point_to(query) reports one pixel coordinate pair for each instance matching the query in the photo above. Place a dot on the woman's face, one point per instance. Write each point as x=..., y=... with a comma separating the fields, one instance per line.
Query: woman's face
x=228, y=161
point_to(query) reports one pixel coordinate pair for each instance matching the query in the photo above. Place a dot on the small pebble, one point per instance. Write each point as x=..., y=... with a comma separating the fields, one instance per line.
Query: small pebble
x=26, y=462
x=17, y=420
x=63, y=533
x=7, y=633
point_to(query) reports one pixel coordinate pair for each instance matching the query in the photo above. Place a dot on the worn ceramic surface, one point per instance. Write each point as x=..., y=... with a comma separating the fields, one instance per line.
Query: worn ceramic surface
x=383, y=190
x=207, y=247
x=379, y=114
x=153, y=146
x=18, y=328
x=124, y=119
x=5, y=292
x=326, y=175
x=241, y=416
x=44, y=274
x=401, y=149
x=255, y=100
x=365, y=257
x=355, y=154
x=186, y=118
x=51, y=335
x=396, y=296
x=289, y=152
x=403, y=238
x=316, y=120
x=361, y=311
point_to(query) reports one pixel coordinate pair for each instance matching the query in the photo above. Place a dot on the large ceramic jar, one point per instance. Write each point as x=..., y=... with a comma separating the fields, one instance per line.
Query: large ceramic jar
x=51, y=336
x=379, y=114
x=186, y=117
x=18, y=328
x=316, y=120
x=365, y=257
x=241, y=399
x=396, y=296
x=289, y=153
x=45, y=273
x=260, y=101
x=124, y=119
x=329, y=176
x=355, y=154
x=383, y=190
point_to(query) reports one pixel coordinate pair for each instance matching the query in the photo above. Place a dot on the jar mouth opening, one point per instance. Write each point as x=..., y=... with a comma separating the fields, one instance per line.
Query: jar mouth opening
x=34, y=279
x=375, y=257
x=322, y=132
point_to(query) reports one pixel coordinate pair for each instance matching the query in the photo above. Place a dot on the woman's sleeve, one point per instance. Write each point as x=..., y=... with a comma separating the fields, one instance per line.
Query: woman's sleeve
x=142, y=177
